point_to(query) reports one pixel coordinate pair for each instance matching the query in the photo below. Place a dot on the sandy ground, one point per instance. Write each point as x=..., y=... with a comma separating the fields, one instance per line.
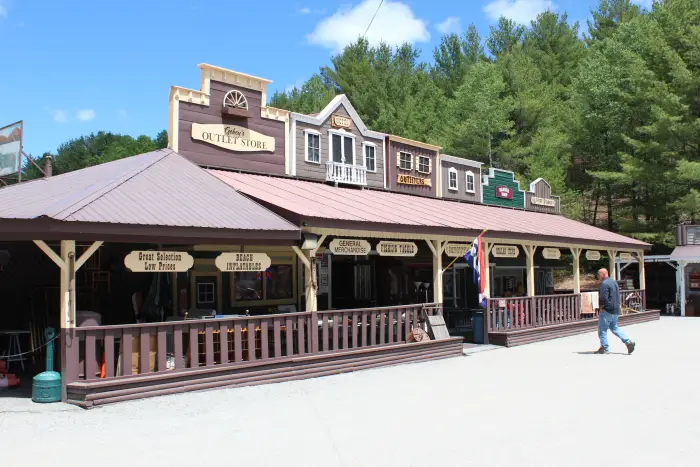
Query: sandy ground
x=546, y=404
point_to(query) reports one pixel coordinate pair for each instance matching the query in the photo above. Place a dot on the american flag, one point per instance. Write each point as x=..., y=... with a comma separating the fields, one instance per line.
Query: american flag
x=475, y=259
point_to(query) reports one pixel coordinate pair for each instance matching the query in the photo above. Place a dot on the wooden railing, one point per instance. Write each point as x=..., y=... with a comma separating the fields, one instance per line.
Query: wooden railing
x=340, y=172
x=507, y=314
x=120, y=351
x=633, y=301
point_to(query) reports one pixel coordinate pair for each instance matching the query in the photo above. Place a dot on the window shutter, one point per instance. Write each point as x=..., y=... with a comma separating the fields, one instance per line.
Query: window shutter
x=417, y=160
x=430, y=165
x=398, y=159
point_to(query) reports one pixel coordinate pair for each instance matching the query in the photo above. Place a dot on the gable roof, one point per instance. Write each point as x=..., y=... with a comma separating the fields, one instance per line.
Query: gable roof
x=157, y=189
x=337, y=101
x=317, y=205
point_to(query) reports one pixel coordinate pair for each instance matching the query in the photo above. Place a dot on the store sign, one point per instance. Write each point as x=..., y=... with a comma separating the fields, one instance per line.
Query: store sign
x=341, y=121
x=504, y=192
x=349, y=246
x=411, y=180
x=547, y=202
x=455, y=250
x=232, y=137
x=592, y=255
x=625, y=257
x=505, y=251
x=551, y=253
x=397, y=249
x=242, y=262
x=158, y=261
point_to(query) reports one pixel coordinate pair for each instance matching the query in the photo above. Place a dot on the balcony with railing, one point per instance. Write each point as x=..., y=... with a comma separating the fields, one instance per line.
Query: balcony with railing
x=340, y=172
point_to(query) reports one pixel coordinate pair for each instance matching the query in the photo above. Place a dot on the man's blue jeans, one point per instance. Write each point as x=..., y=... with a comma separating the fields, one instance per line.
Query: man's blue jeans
x=609, y=321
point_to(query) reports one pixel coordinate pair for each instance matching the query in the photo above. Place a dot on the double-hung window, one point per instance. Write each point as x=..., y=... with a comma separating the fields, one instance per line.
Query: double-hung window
x=424, y=164
x=452, y=179
x=405, y=161
x=370, y=157
x=313, y=147
x=470, y=182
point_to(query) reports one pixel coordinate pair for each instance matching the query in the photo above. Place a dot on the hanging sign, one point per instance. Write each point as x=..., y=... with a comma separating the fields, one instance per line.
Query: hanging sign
x=455, y=250
x=592, y=255
x=551, y=253
x=349, y=246
x=548, y=202
x=504, y=192
x=625, y=257
x=233, y=137
x=158, y=261
x=411, y=180
x=242, y=262
x=397, y=248
x=341, y=121
x=505, y=251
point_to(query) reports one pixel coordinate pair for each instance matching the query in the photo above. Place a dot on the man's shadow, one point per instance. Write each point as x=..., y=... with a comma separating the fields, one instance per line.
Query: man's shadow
x=594, y=353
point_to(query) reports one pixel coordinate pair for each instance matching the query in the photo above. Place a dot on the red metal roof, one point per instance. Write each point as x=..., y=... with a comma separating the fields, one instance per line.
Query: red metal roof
x=382, y=210
x=159, y=188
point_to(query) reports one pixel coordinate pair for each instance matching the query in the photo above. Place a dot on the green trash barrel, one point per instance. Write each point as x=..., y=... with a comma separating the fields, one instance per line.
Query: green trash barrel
x=47, y=385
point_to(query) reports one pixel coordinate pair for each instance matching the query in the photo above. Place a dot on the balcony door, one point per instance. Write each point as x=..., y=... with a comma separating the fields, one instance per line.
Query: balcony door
x=343, y=148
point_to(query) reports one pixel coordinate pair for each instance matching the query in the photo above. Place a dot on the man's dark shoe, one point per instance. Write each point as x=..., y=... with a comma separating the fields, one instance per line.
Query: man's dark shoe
x=630, y=347
x=602, y=351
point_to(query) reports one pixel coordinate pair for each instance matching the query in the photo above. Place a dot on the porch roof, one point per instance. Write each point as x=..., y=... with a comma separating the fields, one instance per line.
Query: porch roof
x=154, y=196
x=320, y=205
x=686, y=253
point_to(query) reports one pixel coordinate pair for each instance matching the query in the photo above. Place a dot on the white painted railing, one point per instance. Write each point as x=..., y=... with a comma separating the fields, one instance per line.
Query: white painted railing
x=345, y=173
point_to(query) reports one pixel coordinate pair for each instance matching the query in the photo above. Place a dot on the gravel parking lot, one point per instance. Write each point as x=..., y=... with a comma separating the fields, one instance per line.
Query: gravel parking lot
x=547, y=404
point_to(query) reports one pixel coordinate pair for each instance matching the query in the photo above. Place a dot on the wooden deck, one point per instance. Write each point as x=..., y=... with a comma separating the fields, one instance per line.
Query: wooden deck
x=515, y=337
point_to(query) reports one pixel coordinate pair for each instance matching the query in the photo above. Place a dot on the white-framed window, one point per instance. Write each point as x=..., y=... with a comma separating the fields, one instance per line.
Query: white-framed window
x=404, y=161
x=313, y=146
x=370, y=151
x=341, y=147
x=471, y=188
x=452, y=179
x=206, y=292
x=424, y=164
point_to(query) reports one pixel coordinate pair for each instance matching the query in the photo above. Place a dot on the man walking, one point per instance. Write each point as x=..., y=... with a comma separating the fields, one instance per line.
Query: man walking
x=609, y=313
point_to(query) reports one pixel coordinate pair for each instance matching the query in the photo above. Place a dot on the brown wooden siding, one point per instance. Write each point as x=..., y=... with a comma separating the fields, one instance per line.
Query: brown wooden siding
x=542, y=190
x=311, y=170
x=393, y=171
x=461, y=192
x=213, y=156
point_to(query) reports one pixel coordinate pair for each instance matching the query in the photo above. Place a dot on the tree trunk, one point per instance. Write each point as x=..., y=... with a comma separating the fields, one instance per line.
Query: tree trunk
x=610, y=209
x=595, y=205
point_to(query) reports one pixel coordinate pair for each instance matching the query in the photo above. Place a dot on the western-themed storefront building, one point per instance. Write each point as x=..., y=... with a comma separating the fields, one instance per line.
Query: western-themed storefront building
x=501, y=189
x=228, y=260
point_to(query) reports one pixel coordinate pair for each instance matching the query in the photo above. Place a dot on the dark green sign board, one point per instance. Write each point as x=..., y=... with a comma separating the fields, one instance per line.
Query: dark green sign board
x=501, y=189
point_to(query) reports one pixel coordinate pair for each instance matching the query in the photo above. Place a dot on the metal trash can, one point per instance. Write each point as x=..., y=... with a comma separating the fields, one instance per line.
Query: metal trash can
x=478, y=327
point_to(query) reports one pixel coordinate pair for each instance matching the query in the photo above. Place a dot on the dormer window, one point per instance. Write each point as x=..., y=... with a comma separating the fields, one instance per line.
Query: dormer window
x=470, y=182
x=235, y=100
x=424, y=164
x=452, y=179
x=405, y=161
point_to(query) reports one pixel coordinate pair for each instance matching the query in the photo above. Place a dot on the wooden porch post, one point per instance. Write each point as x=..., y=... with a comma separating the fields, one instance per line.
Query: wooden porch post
x=642, y=272
x=487, y=268
x=437, y=247
x=612, y=254
x=308, y=257
x=69, y=343
x=576, y=254
x=680, y=274
x=530, y=254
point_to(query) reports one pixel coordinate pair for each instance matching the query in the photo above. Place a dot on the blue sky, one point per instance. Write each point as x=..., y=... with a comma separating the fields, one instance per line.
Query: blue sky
x=74, y=67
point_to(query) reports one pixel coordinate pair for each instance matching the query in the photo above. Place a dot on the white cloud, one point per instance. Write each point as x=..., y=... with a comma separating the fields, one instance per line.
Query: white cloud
x=394, y=24
x=305, y=11
x=85, y=115
x=520, y=11
x=450, y=25
x=59, y=116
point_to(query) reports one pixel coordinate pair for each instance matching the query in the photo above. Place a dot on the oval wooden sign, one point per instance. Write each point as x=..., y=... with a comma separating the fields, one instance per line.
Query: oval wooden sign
x=397, y=248
x=158, y=261
x=625, y=257
x=592, y=255
x=242, y=262
x=455, y=250
x=349, y=246
x=551, y=253
x=505, y=251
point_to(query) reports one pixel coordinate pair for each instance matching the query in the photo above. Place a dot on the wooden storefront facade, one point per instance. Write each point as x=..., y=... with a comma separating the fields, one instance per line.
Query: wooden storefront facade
x=358, y=232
